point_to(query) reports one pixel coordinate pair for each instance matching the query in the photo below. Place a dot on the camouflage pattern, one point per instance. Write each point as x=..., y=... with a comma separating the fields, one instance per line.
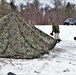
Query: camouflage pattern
x=21, y=40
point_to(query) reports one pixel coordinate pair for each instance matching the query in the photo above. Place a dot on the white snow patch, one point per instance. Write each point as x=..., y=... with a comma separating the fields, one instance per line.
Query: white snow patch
x=60, y=61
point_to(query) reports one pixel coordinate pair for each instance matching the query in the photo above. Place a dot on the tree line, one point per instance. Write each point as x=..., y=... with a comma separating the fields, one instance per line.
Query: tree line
x=37, y=13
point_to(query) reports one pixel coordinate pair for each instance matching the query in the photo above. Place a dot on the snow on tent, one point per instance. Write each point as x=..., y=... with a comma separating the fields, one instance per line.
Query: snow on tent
x=21, y=40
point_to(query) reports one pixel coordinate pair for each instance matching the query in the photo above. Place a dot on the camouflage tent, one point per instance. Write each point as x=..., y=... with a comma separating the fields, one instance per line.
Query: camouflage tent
x=21, y=40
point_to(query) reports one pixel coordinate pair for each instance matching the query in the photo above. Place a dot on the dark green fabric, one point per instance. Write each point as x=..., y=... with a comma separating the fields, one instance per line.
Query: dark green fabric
x=55, y=28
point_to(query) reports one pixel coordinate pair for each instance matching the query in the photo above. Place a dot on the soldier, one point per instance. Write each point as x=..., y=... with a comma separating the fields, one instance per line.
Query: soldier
x=56, y=31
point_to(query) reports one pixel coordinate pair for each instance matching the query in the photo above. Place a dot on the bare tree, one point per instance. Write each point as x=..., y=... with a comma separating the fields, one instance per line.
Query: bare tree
x=4, y=8
x=47, y=14
x=2, y=2
x=43, y=15
x=69, y=9
x=21, y=8
x=13, y=6
x=57, y=4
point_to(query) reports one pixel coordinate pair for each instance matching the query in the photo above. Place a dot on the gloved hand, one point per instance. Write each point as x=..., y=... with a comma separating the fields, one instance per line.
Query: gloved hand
x=51, y=34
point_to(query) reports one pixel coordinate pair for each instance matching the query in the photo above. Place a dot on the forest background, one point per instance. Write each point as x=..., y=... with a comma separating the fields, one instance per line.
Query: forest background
x=38, y=13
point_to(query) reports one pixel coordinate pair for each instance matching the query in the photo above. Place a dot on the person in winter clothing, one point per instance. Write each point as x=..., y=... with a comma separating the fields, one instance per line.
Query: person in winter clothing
x=55, y=31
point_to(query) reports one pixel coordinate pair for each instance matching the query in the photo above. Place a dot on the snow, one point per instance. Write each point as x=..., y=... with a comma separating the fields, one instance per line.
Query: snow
x=61, y=60
x=66, y=32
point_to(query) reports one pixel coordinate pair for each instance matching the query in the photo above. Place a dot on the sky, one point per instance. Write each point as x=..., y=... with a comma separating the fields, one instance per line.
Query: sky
x=48, y=1
x=44, y=1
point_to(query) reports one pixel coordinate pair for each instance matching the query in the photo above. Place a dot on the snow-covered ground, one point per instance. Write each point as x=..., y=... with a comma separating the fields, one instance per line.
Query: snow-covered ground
x=60, y=61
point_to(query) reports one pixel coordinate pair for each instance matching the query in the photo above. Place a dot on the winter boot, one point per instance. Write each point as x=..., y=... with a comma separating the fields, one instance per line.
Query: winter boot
x=58, y=40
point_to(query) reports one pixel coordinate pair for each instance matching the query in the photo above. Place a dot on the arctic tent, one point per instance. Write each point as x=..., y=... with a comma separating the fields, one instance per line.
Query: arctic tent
x=19, y=39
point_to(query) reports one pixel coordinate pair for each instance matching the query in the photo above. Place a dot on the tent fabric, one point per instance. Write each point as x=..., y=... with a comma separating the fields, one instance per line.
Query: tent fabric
x=19, y=39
